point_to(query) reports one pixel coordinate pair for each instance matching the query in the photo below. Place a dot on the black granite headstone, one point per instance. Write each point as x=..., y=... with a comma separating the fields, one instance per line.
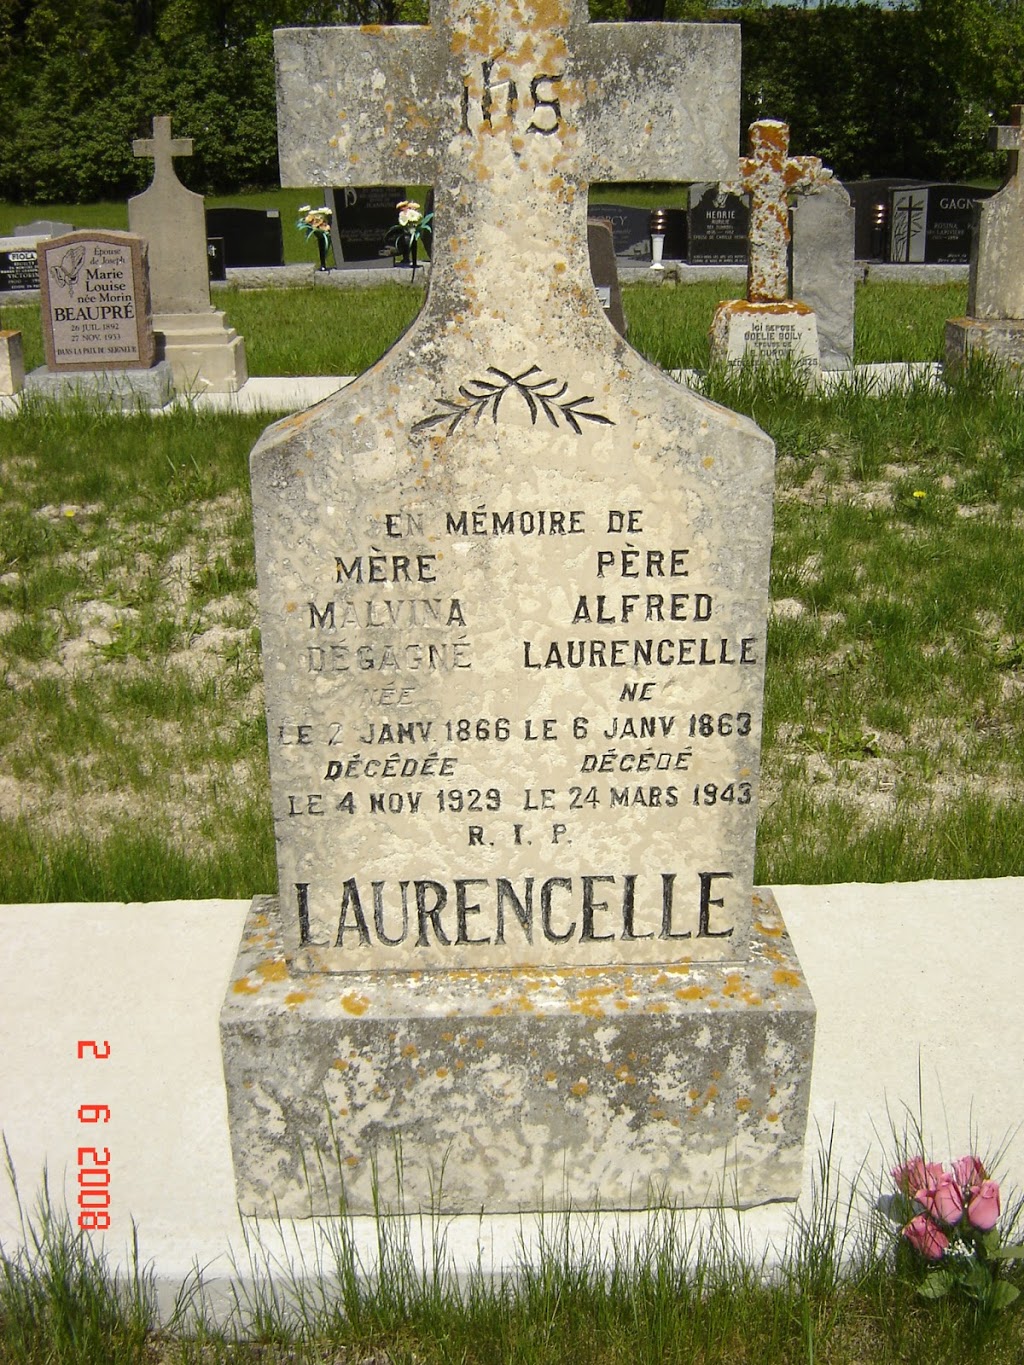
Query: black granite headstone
x=870, y=200
x=252, y=237
x=931, y=224
x=717, y=226
x=19, y=269
x=631, y=231
x=362, y=219
x=215, y=258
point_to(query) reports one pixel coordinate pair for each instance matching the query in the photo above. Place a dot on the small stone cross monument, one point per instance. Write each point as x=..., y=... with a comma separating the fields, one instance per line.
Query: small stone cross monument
x=994, y=325
x=513, y=594
x=769, y=325
x=205, y=354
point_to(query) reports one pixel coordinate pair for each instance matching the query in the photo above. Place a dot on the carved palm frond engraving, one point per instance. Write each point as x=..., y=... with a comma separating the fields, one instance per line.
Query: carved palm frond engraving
x=479, y=396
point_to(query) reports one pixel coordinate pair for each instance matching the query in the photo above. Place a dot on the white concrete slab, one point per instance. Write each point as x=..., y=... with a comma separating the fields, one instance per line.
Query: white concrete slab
x=267, y=394
x=910, y=979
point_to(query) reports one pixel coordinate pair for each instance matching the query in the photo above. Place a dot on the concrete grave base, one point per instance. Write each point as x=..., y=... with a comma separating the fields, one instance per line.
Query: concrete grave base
x=766, y=334
x=150, y=388
x=206, y=355
x=12, y=363
x=1000, y=339
x=610, y=1087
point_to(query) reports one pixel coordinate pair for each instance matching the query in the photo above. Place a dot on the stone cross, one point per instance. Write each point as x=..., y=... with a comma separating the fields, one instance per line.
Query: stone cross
x=1009, y=138
x=162, y=148
x=173, y=221
x=996, y=282
x=575, y=103
x=769, y=175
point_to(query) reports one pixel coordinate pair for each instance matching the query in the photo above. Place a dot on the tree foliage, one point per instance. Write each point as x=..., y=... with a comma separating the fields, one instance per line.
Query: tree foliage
x=873, y=91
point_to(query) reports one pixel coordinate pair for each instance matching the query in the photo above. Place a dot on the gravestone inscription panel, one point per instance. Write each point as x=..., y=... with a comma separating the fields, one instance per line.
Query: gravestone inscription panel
x=631, y=231
x=514, y=636
x=362, y=219
x=931, y=224
x=717, y=224
x=95, y=302
x=19, y=268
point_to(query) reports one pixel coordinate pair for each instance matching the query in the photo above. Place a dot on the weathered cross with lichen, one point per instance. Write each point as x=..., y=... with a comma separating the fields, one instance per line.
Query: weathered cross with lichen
x=510, y=111
x=769, y=175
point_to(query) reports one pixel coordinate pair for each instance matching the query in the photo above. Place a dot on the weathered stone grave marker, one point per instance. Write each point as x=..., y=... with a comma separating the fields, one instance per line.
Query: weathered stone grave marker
x=513, y=594
x=824, y=225
x=205, y=354
x=605, y=272
x=768, y=325
x=994, y=325
x=97, y=322
x=12, y=362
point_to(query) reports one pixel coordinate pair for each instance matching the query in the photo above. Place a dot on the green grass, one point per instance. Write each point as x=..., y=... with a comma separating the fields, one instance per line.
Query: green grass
x=666, y=1293
x=113, y=215
x=344, y=331
x=130, y=679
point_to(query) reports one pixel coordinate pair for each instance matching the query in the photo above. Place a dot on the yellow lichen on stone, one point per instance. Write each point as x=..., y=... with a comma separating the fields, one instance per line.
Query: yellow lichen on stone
x=243, y=986
x=692, y=993
x=579, y=1088
x=354, y=1004
x=274, y=970
x=772, y=930
x=782, y=976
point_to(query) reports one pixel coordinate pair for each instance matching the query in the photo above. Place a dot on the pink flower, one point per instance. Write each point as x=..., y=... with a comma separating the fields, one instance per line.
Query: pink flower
x=915, y=1173
x=942, y=1199
x=983, y=1210
x=925, y=1237
x=969, y=1171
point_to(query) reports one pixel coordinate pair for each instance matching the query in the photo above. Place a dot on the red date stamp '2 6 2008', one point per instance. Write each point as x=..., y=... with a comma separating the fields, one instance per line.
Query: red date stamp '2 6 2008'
x=93, y=1162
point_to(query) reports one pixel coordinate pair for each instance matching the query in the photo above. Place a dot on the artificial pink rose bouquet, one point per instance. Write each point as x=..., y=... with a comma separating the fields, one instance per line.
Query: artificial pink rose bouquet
x=948, y=1221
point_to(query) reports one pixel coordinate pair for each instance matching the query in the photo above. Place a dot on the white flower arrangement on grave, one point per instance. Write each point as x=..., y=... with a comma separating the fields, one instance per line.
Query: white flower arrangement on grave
x=413, y=228
x=316, y=223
